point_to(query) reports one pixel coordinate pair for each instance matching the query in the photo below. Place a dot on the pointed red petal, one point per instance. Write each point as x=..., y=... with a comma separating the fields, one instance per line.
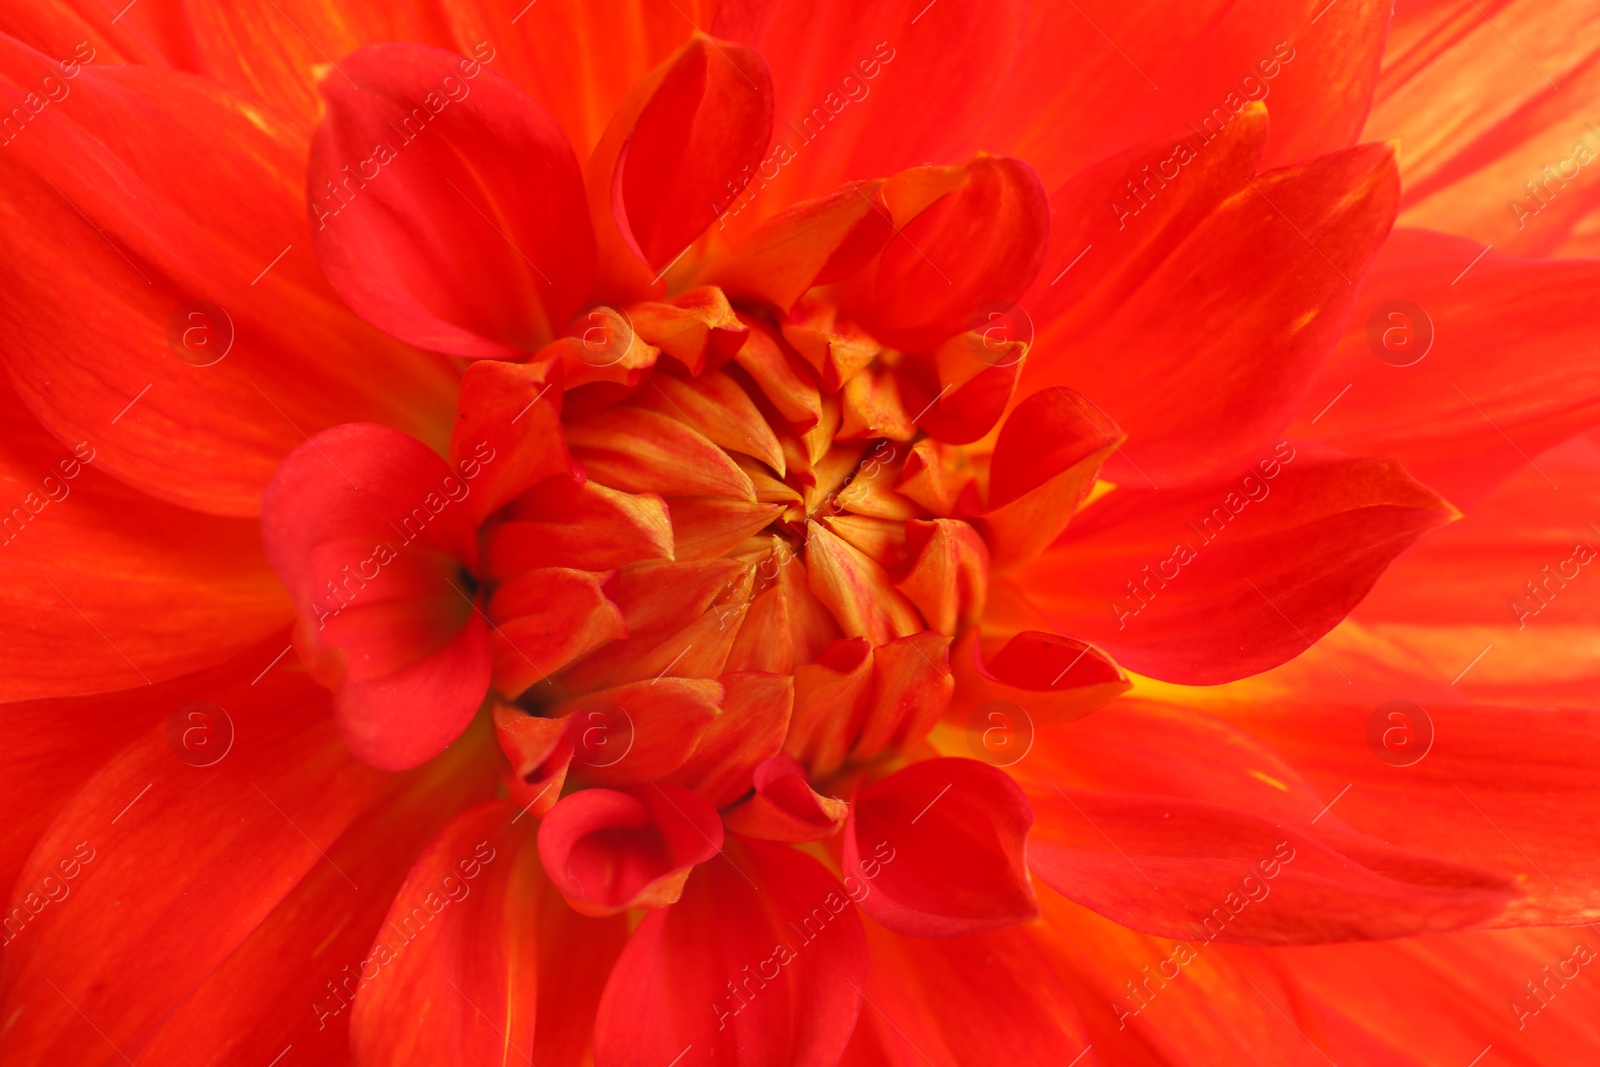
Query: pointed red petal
x=508, y=426
x=747, y=731
x=933, y=1001
x=1217, y=866
x=1236, y=319
x=640, y=732
x=981, y=244
x=661, y=173
x=814, y=242
x=1491, y=771
x=1240, y=845
x=446, y=203
x=544, y=619
x=314, y=951
x=538, y=753
x=107, y=588
x=1045, y=462
x=877, y=88
x=1314, y=66
x=608, y=851
x=457, y=956
x=1050, y=678
x=581, y=525
x=940, y=844
x=830, y=697
x=1208, y=584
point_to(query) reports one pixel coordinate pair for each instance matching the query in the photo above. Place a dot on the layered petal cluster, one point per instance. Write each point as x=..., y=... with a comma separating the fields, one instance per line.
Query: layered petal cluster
x=771, y=534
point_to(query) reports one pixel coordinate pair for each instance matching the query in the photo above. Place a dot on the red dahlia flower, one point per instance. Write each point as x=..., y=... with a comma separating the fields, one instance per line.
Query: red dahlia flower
x=592, y=533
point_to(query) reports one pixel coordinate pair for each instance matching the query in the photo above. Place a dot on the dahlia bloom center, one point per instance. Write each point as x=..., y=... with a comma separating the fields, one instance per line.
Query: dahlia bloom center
x=791, y=534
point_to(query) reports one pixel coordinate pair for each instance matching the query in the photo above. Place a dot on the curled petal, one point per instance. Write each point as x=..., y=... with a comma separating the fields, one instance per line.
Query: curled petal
x=784, y=807
x=1054, y=679
x=962, y=387
x=538, y=752
x=370, y=533
x=812, y=243
x=636, y=733
x=937, y=477
x=667, y=164
x=409, y=716
x=940, y=843
x=1045, y=462
x=608, y=851
x=696, y=327
x=667, y=606
x=979, y=245
x=830, y=696
x=911, y=687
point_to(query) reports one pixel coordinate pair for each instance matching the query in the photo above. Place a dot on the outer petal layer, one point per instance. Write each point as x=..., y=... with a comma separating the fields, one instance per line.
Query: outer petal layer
x=761, y=964
x=163, y=845
x=1461, y=375
x=106, y=588
x=482, y=873
x=187, y=335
